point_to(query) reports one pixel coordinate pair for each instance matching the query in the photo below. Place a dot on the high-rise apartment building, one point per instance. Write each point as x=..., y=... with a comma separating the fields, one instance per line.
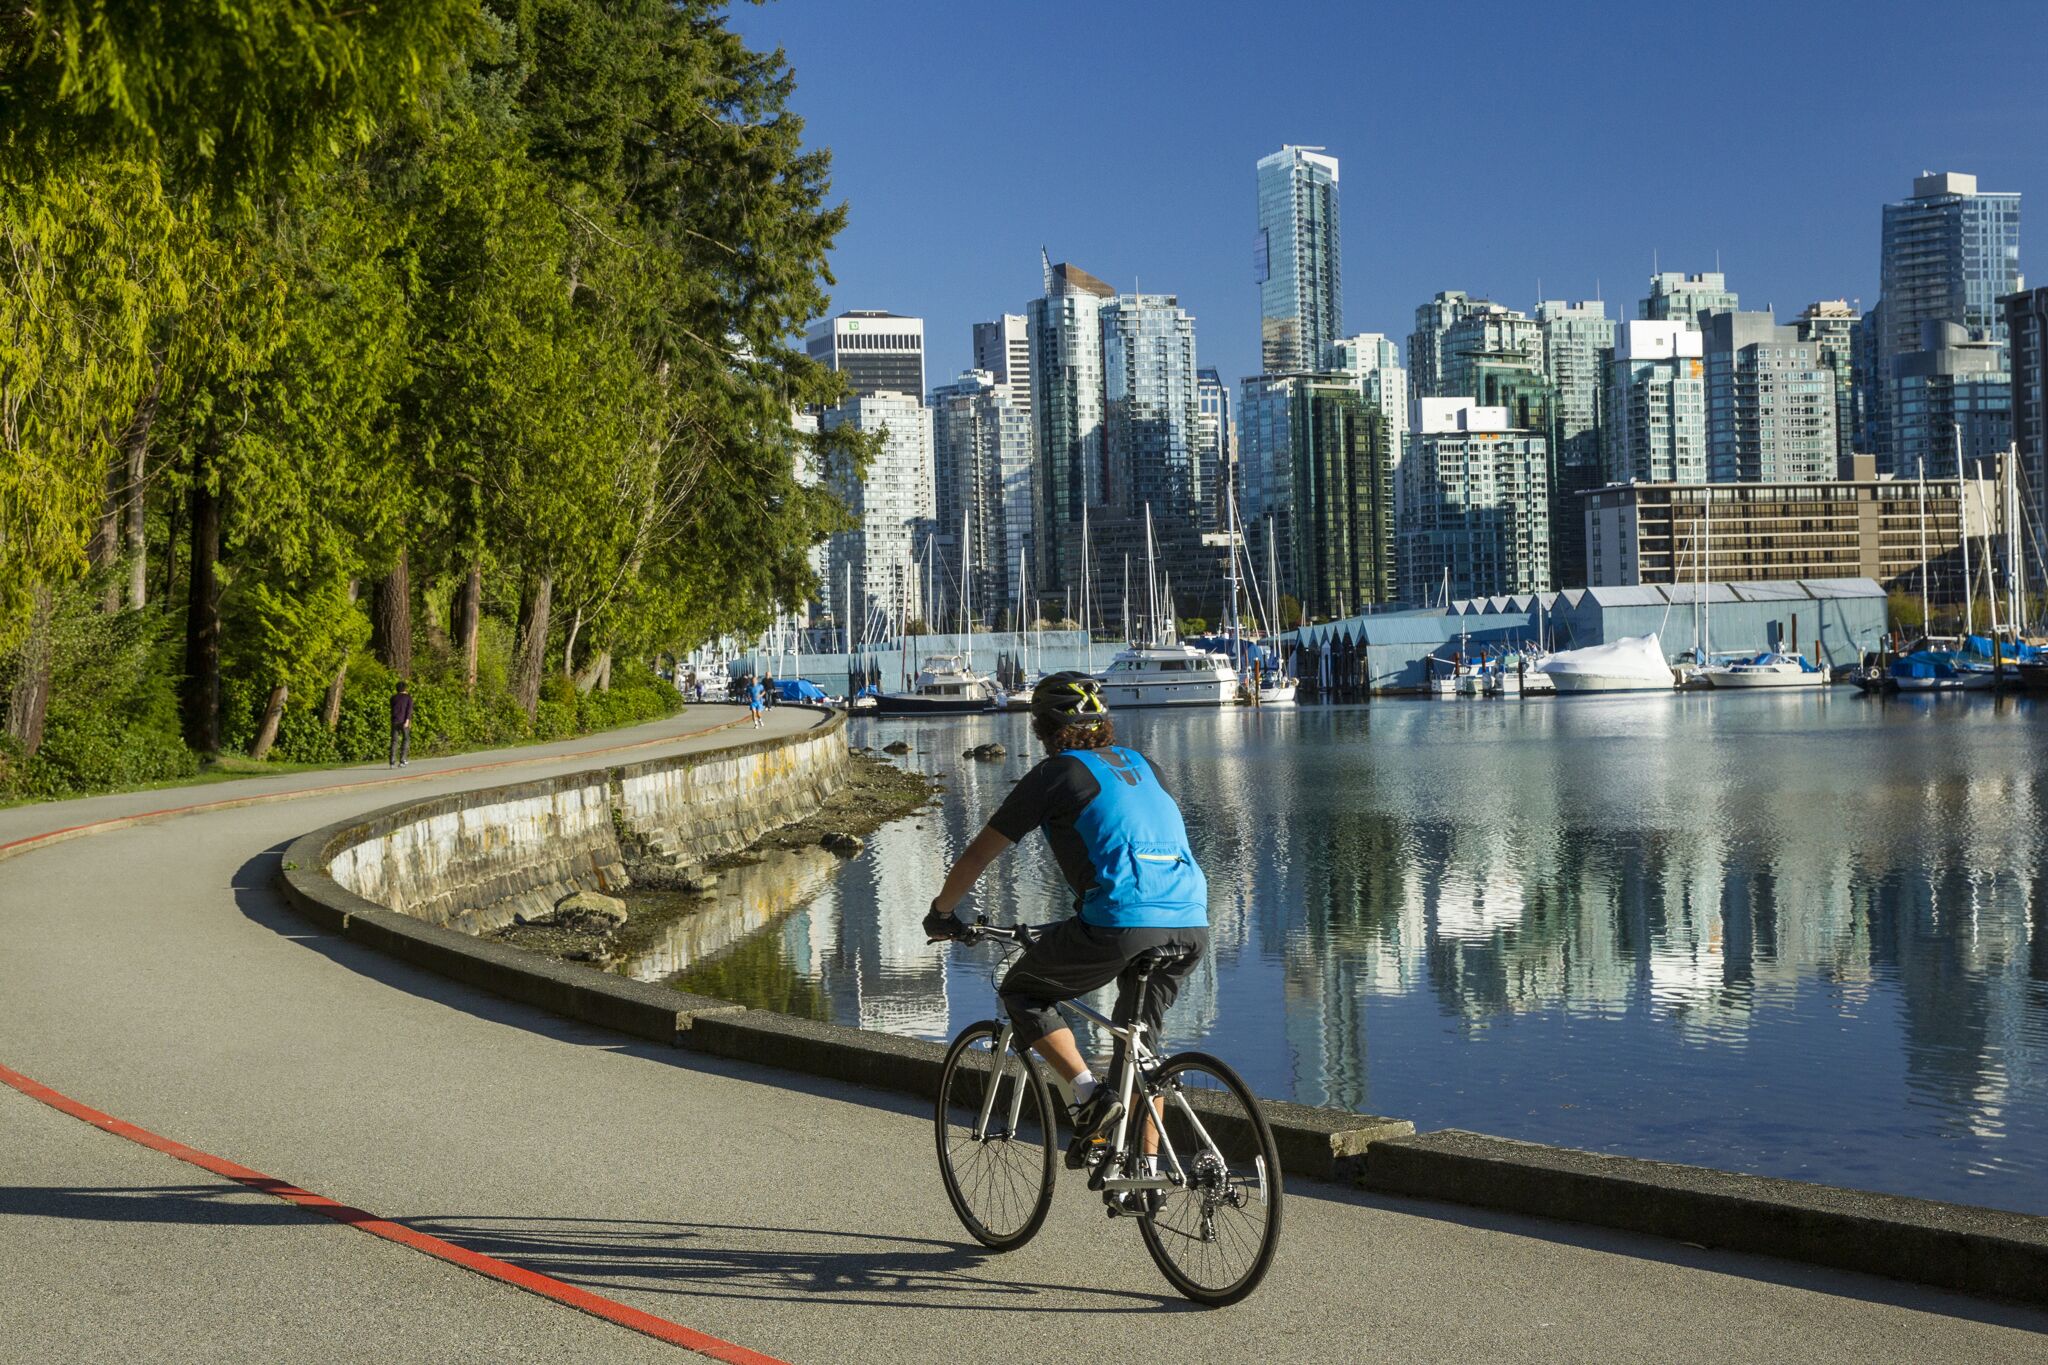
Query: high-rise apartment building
x=1215, y=446
x=893, y=506
x=2026, y=330
x=1678, y=297
x=1003, y=349
x=1577, y=339
x=1829, y=326
x=1770, y=402
x=1065, y=331
x=1950, y=399
x=1657, y=404
x=1374, y=363
x=1486, y=334
x=1427, y=354
x=1948, y=253
x=981, y=464
x=877, y=352
x=1296, y=260
x=1475, y=519
x=1319, y=491
x=1151, y=432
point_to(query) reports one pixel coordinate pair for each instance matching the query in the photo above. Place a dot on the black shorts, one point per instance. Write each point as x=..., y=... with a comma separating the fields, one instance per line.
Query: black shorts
x=1076, y=957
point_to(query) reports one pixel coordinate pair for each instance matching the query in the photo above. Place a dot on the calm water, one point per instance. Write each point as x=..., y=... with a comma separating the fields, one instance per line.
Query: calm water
x=1799, y=935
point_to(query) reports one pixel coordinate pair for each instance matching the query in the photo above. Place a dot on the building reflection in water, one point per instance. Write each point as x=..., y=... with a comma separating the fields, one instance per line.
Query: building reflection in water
x=1802, y=935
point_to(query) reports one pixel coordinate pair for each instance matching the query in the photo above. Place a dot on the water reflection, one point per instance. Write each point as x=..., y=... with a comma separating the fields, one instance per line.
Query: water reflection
x=1801, y=935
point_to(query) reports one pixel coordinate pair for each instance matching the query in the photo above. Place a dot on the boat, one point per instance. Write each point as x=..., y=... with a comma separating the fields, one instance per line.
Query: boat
x=1772, y=668
x=1277, y=690
x=2033, y=677
x=1168, y=675
x=945, y=685
x=1633, y=663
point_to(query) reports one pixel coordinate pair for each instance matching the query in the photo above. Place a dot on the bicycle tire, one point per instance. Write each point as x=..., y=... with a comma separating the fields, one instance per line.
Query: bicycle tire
x=992, y=1178
x=1187, y=1240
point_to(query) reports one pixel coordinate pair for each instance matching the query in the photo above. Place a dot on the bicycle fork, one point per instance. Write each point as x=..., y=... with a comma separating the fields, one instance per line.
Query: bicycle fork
x=1000, y=1069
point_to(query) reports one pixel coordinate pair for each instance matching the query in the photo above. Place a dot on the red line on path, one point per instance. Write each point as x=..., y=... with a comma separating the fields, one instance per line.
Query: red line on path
x=502, y=1271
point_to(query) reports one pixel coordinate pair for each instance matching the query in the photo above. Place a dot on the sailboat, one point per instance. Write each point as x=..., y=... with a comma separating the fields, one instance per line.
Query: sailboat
x=946, y=684
x=1160, y=670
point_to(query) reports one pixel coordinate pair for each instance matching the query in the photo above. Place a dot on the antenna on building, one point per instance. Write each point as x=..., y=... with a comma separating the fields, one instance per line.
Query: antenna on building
x=1653, y=261
x=1717, y=260
x=1045, y=261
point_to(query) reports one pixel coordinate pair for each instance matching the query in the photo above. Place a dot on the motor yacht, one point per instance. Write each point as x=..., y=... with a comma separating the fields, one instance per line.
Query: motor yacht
x=1168, y=675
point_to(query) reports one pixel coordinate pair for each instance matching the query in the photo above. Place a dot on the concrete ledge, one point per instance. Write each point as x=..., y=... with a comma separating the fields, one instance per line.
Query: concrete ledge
x=1951, y=1246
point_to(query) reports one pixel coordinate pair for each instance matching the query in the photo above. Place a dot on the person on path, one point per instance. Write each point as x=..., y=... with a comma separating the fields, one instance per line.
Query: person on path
x=756, y=700
x=771, y=696
x=1139, y=897
x=401, y=726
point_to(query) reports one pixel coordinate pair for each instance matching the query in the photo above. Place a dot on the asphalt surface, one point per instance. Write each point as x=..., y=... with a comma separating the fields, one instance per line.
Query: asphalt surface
x=151, y=972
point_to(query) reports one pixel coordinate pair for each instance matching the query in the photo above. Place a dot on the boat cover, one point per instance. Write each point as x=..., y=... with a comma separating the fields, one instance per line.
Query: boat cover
x=1631, y=656
x=798, y=689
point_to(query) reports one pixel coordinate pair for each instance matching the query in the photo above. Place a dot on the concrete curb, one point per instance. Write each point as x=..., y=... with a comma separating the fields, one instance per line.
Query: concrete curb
x=1950, y=1246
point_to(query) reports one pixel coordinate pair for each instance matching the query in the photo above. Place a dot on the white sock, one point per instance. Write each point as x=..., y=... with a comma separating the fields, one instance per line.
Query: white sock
x=1084, y=1087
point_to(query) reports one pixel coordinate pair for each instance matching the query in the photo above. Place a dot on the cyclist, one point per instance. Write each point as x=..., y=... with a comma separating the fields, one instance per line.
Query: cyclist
x=1119, y=841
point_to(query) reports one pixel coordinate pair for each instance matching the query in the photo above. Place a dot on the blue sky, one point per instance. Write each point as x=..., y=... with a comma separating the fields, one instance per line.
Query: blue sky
x=1485, y=146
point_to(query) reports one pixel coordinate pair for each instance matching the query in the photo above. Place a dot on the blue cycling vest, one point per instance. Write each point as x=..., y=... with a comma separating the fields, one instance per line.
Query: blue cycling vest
x=1145, y=874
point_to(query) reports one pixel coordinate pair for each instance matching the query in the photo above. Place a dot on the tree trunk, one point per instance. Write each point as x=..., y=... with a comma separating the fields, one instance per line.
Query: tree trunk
x=604, y=671
x=172, y=531
x=330, y=705
x=391, y=622
x=28, y=703
x=469, y=610
x=202, y=613
x=529, y=662
x=138, y=506
x=104, y=549
x=266, y=733
x=431, y=623
x=569, y=647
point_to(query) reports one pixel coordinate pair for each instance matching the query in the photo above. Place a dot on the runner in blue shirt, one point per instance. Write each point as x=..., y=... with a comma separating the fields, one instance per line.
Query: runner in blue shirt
x=756, y=698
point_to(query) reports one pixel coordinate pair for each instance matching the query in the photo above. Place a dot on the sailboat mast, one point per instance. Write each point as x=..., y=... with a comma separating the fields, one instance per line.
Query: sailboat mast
x=1926, y=621
x=966, y=597
x=1087, y=630
x=1963, y=520
x=1151, y=581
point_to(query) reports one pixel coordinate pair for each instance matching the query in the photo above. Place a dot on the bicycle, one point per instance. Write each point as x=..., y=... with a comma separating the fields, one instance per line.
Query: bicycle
x=1209, y=1216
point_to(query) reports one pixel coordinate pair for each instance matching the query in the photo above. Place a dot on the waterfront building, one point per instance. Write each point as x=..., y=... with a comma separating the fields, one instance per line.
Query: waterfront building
x=1830, y=327
x=1151, y=431
x=1770, y=402
x=1296, y=259
x=1955, y=382
x=1319, y=491
x=1374, y=363
x=1578, y=339
x=981, y=460
x=877, y=352
x=1065, y=331
x=1476, y=513
x=1677, y=297
x=1859, y=526
x=1656, y=404
x=1003, y=349
x=2026, y=328
x=1486, y=334
x=893, y=506
x=1948, y=253
x=1427, y=354
x=1215, y=447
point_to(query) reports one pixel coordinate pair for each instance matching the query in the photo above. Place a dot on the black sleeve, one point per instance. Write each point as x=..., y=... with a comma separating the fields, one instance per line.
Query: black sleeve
x=1059, y=786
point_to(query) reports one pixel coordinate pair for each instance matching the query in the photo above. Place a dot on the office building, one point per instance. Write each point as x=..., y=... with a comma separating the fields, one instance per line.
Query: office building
x=1319, y=492
x=877, y=352
x=893, y=507
x=1861, y=526
x=1676, y=297
x=1002, y=348
x=1948, y=254
x=1830, y=327
x=1065, y=331
x=1215, y=447
x=1950, y=399
x=1475, y=518
x=1656, y=428
x=1151, y=435
x=1770, y=402
x=981, y=465
x=2026, y=331
x=1296, y=260
x=1577, y=338
x=1427, y=355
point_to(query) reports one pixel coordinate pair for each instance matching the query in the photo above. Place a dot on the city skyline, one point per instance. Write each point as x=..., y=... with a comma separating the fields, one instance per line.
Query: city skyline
x=1175, y=209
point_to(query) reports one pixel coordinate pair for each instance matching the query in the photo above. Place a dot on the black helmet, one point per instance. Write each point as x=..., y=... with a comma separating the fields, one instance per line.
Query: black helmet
x=1071, y=697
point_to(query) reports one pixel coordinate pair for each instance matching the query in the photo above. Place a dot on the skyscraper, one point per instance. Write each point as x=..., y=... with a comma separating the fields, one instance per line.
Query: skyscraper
x=1427, y=356
x=877, y=352
x=1678, y=297
x=1152, y=422
x=1829, y=325
x=981, y=457
x=1065, y=332
x=892, y=506
x=1215, y=446
x=1296, y=260
x=1656, y=405
x=1577, y=338
x=1486, y=332
x=1003, y=349
x=1476, y=515
x=1770, y=402
x=1374, y=363
x=2026, y=330
x=1948, y=253
x=1955, y=388
x=1319, y=492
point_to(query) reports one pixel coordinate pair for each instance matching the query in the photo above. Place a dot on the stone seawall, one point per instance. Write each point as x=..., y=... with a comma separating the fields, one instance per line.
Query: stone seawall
x=475, y=860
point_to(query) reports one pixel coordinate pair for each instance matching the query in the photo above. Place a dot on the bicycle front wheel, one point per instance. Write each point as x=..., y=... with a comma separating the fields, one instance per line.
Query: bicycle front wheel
x=1213, y=1235
x=996, y=1137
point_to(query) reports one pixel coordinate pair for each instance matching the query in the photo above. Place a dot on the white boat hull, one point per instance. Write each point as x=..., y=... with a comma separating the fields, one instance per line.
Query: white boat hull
x=1196, y=692
x=1278, y=694
x=1736, y=678
x=1595, y=682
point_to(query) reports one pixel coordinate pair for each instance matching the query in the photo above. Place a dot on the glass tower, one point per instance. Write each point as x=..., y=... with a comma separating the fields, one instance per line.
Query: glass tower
x=981, y=456
x=1065, y=332
x=1295, y=259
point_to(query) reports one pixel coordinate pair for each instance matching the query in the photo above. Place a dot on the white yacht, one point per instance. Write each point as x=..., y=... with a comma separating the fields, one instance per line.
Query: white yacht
x=1769, y=669
x=1634, y=663
x=1168, y=675
x=945, y=684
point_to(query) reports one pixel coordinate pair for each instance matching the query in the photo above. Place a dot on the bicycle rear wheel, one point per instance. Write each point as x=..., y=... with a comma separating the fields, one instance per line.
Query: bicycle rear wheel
x=1213, y=1236
x=999, y=1176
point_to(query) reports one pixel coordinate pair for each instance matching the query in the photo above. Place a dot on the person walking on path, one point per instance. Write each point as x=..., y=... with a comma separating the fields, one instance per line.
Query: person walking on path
x=756, y=696
x=769, y=695
x=401, y=726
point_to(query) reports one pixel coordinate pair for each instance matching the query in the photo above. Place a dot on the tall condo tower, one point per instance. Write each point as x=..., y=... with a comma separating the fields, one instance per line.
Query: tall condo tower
x=1295, y=260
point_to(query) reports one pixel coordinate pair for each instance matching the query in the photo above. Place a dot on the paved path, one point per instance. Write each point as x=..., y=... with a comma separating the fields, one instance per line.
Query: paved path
x=151, y=972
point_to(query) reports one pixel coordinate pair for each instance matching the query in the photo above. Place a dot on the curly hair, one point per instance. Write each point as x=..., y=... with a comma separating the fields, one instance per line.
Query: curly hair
x=1098, y=733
